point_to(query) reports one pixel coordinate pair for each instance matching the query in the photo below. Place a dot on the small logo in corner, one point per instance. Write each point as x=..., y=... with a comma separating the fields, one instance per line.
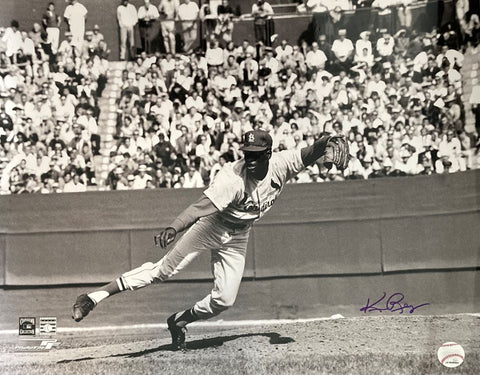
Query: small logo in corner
x=26, y=326
x=36, y=345
x=47, y=325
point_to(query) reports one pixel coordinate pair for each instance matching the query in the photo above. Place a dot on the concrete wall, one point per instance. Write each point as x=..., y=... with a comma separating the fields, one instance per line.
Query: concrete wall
x=344, y=228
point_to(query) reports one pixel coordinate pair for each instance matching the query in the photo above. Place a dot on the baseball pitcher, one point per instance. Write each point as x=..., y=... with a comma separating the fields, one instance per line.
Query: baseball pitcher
x=220, y=221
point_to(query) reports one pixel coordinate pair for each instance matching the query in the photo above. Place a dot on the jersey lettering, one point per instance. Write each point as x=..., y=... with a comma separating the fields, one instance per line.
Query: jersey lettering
x=275, y=185
x=239, y=198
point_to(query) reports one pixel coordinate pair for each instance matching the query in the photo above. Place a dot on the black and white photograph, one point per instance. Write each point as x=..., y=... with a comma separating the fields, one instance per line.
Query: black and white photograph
x=241, y=187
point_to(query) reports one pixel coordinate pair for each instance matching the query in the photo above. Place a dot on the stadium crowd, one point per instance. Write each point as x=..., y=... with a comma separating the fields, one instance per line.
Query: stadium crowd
x=397, y=98
x=49, y=110
x=181, y=116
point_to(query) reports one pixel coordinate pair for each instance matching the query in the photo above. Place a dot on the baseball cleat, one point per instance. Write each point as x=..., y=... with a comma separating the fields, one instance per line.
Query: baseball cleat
x=178, y=333
x=82, y=307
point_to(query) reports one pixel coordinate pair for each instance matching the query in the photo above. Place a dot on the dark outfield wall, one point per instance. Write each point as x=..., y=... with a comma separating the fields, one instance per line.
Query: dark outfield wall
x=345, y=228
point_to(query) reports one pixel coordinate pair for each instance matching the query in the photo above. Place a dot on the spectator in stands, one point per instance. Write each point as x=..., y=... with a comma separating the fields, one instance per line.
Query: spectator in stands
x=147, y=14
x=178, y=114
x=264, y=26
x=224, y=26
x=192, y=179
x=67, y=50
x=450, y=154
x=13, y=40
x=188, y=15
x=140, y=181
x=51, y=22
x=214, y=55
x=385, y=45
x=73, y=184
x=97, y=36
x=127, y=19
x=343, y=50
x=316, y=58
x=168, y=13
x=75, y=15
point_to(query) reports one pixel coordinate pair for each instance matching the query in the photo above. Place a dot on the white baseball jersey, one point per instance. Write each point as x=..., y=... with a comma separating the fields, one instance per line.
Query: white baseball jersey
x=241, y=198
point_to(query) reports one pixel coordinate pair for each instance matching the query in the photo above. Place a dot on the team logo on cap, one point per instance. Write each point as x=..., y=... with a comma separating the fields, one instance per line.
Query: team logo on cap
x=251, y=138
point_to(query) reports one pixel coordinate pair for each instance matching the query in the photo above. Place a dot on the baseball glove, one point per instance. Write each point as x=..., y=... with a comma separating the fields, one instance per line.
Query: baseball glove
x=337, y=152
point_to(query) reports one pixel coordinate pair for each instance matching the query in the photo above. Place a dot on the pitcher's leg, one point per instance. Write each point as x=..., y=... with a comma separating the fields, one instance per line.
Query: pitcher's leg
x=186, y=249
x=227, y=267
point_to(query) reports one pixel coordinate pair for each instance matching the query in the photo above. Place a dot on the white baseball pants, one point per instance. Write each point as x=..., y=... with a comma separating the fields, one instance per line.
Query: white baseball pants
x=228, y=249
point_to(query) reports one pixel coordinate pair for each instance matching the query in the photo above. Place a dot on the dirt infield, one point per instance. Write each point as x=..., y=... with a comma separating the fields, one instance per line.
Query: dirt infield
x=380, y=344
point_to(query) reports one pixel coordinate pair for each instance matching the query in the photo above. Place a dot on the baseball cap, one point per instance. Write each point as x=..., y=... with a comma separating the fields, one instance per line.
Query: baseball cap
x=256, y=140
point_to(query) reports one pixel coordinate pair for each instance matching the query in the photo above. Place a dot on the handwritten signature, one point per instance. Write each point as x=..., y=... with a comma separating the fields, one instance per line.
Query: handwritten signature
x=394, y=303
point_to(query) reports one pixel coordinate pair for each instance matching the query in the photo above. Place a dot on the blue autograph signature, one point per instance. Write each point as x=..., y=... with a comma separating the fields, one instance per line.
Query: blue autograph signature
x=393, y=303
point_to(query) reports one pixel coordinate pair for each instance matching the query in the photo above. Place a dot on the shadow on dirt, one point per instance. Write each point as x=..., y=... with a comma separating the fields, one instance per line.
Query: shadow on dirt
x=274, y=339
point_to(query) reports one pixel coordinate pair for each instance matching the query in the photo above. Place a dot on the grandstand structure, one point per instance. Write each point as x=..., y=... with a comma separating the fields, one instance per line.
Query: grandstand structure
x=401, y=86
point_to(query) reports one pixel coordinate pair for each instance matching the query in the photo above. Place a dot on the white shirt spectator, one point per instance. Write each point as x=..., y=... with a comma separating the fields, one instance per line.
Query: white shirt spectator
x=385, y=46
x=197, y=103
x=360, y=44
x=28, y=47
x=193, y=179
x=318, y=6
x=72, y=187
x=8, y=82
x=454, y=57
x=188, y=12
x=378, y=86
x=265, y=9
x=163, y=107
x=250, y=65
x=76, y=13
x=151, y=13
x=342, y=48
x=190, y=120
x=202, y=148
x=451, y=148
x=13, y=40
x=138, y=141
x=167, y=65
x=140, y=181
x=65, y=110
x=89, y=123
x=283, y=50
x=169, y=8
x=214, y=56
x=409, y=166
x=414, y=141
x=316, y=58
x=273, y=64
x=324, y=88
x=127, y=146
x=127, y=15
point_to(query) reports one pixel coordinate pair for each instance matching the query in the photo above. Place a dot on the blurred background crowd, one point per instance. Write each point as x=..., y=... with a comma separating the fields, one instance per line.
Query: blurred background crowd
x=396, y=96
x=49, y=89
